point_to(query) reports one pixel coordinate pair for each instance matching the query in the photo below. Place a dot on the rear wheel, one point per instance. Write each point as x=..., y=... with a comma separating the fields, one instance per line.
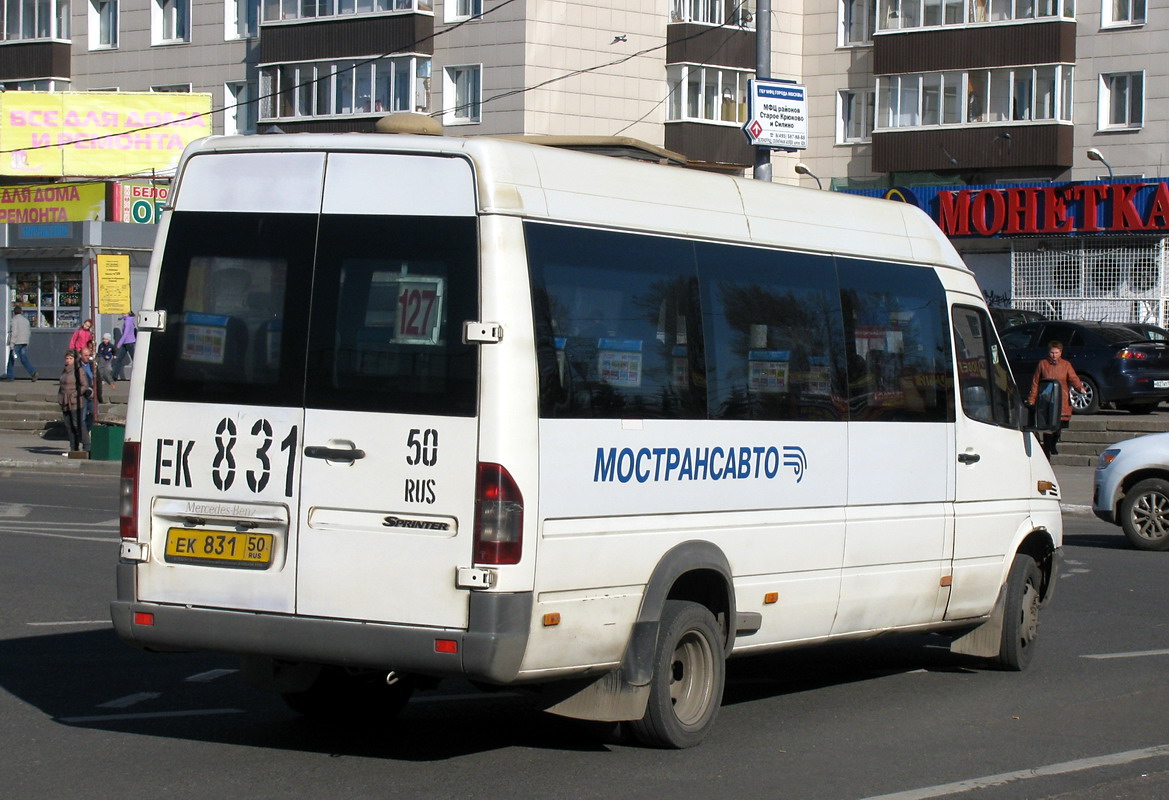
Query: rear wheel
x=340, y=695
x=1021, y=616
x=1144, y=514
x=687, y=684
x=1087, y=401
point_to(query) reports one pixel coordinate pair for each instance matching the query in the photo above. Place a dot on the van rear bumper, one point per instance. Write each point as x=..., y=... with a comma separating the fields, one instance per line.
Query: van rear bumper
x=491, y=649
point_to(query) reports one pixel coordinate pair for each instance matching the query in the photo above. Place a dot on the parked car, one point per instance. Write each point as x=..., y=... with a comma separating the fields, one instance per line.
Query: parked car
x=1116, y=364
x=1132, y=490
x=1009, y=317
x=1154, y=333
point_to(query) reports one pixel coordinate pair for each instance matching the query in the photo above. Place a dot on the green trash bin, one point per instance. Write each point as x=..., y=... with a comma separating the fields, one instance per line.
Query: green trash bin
x=105, y=442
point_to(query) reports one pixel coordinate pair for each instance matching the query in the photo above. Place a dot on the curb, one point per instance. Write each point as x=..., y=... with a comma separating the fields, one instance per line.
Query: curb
x=66, y=466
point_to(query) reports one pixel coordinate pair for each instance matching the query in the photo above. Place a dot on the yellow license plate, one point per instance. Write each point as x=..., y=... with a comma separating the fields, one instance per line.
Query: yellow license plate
x=225, y=548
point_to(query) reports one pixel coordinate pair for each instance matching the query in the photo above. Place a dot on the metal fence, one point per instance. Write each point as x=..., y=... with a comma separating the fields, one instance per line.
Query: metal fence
x=1116, y=280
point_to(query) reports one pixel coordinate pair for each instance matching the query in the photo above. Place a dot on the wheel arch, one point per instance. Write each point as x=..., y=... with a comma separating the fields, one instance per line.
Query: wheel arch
x=695, y=570
x=1040, y=545
x=1132, y=479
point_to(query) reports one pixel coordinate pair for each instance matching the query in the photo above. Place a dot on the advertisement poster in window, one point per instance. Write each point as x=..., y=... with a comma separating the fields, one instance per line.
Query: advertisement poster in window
x=768, y=370
x=619, y=362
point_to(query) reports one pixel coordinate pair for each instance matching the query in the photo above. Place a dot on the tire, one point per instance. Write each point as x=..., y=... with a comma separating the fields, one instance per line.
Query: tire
x=1021, y=615
x=687, y=685
x=1144, y=514
x=1088, y=401
x=338, y=695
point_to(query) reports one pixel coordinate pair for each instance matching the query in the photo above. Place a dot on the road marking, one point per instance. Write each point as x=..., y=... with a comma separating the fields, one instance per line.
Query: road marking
x=25, y=532
x=210, y=675
x=151, y=715
x=1134, y=654
x=14, y=510
x=1079, y=765
x=131, y=700
x=70, y=622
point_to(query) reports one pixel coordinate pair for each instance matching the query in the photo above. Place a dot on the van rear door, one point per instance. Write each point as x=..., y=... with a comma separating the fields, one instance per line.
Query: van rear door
x=311, y=397
x=388, y=478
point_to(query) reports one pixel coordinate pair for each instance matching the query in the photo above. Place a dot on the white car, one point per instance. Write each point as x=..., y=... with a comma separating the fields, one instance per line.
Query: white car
x=1132, y=489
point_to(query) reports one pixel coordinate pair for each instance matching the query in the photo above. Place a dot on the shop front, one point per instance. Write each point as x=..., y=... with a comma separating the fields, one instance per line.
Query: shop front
x=1093, y=250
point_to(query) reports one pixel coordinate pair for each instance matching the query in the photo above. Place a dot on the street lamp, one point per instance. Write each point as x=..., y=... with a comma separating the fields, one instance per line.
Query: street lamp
x=1094, y=155
x=802, y=169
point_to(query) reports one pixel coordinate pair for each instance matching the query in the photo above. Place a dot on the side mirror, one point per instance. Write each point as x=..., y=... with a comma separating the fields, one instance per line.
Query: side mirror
x=1044, y=416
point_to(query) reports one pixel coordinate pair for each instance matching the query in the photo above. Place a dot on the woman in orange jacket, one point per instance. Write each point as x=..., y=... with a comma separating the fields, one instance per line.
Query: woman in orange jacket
x=1055, y=368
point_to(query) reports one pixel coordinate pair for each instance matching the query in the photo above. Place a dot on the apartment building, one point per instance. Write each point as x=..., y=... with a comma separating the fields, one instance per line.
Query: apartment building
x=983, y=112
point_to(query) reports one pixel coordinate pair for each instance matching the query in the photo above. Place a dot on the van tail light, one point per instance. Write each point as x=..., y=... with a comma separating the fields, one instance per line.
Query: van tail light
x=499, y=516
x=1128, y=352
x=128, y=492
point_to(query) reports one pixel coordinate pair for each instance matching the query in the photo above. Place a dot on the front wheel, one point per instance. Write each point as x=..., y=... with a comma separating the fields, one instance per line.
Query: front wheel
x=1021, y=615
x=689, y=673
x=1144, y=514
x=1087, y=401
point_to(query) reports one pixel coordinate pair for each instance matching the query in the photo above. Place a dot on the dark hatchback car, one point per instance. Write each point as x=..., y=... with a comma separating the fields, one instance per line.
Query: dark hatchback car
x=1008, y=317
x=1117, y=364
x=1154, y=333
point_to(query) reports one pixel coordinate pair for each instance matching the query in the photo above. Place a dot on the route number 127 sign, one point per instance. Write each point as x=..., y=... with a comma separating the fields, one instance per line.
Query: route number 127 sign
x=419, y=310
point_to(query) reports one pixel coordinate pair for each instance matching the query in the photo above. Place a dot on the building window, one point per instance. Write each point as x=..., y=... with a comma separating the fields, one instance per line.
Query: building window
x=172, y=87
x=49, y=299
x=1122, y=12
x=462, y=9
x=344, y=88
x=34, y=19
x=707, y=94
x=462, y=94
x=170, y=21
x=241, y=19
x=714, y=12
x=277, y=10
x=858, y=20
x=103, y=24
x=239, y=115
x=1122, y=100
x=902, y=14
x=990, y=96
x=854, y=122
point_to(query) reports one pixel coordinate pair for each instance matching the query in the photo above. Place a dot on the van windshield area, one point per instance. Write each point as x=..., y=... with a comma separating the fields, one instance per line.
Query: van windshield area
x=340, y=312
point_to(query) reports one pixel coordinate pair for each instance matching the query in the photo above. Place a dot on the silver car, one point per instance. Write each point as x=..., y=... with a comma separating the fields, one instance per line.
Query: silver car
x=1132, y=489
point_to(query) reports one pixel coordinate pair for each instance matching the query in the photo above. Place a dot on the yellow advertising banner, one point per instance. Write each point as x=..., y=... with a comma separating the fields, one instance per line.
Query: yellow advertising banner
x=113, y=284
x=52, y=134
x=52, y=202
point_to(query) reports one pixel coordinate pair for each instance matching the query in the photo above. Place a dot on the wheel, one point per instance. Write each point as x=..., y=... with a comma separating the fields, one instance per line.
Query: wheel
x=1144, y=514
x=687, y=684
x=1087, y=401
x=1021, y=616
x=339, y=695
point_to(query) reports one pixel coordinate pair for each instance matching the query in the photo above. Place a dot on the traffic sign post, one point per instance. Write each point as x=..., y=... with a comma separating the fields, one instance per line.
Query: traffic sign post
x=777, y=114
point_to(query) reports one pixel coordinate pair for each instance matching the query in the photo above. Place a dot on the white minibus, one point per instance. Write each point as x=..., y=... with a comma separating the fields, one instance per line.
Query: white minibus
x=416, y=407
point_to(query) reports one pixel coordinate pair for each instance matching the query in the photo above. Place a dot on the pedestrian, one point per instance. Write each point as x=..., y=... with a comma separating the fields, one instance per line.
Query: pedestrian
x=82, y=337
x=105, y=359
x=1055, y=368
x=73, y=389
x=125, y=344
x=18, y=335
x=85, y=356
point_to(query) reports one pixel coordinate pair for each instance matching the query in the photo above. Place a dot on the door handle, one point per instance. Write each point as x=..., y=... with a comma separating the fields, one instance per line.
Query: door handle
x=969, y=458
x=349, y=454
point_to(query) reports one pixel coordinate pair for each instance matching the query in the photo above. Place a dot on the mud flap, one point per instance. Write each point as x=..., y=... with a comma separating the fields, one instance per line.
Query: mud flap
x=609, y=698
x=985, y=640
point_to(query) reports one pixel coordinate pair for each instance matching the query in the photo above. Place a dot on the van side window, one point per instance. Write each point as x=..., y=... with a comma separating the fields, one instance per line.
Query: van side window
x=617, y=325
x=773, y=334
x=897, y=343
x=985, y=387
x=390, y=297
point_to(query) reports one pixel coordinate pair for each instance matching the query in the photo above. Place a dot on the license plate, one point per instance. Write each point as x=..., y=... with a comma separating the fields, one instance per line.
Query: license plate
x=223, y=548
x=1161, y=384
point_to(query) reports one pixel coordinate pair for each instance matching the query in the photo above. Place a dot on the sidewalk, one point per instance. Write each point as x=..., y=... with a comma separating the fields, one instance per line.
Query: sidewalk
x=29, y=451
x=45, y=451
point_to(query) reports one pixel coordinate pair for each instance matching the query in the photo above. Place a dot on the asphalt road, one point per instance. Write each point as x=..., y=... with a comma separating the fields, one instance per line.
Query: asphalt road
x=83, y=715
